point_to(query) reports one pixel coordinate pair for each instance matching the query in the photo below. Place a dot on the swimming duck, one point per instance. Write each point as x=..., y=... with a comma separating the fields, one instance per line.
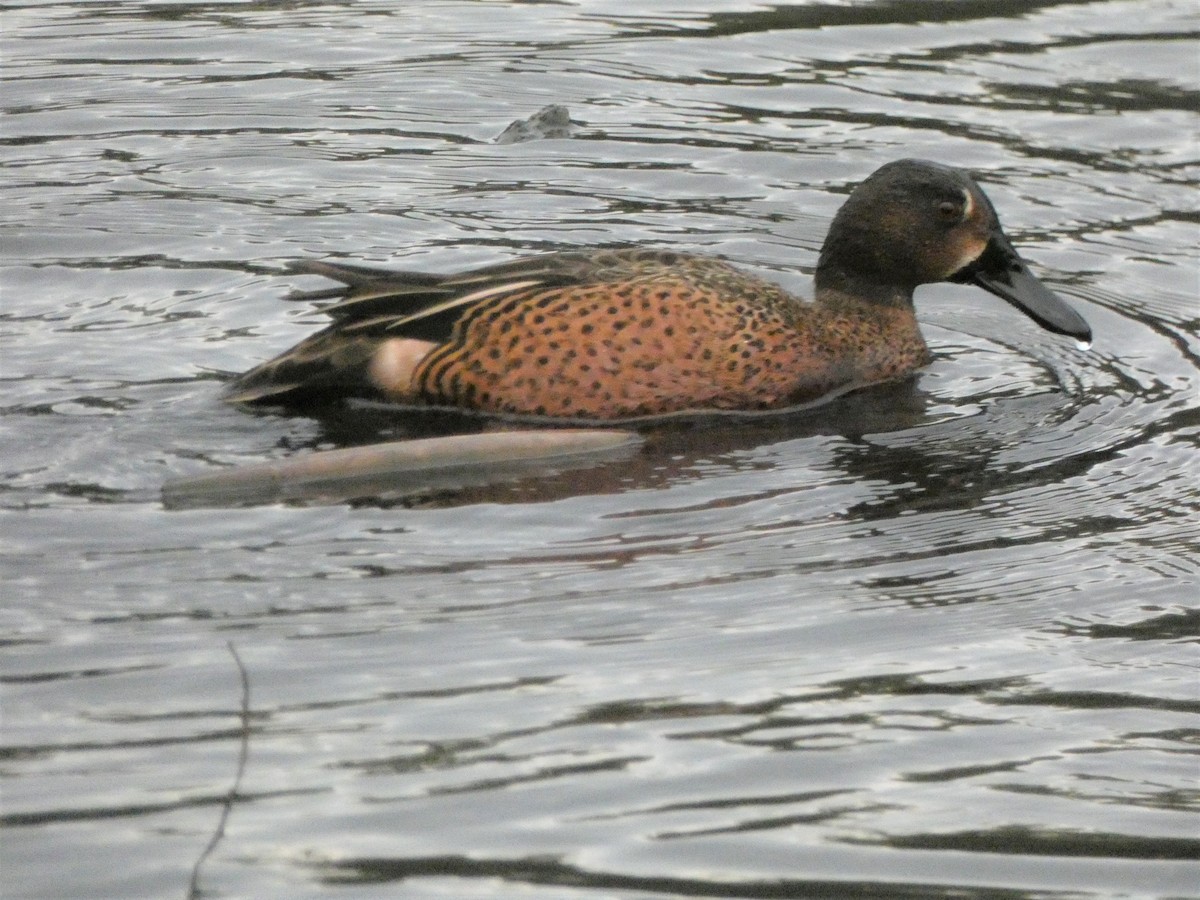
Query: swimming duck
x=617, y=333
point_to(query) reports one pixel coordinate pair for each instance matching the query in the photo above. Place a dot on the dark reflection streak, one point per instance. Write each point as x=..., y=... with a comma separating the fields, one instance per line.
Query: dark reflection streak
x=1016, y=143
x=1096, y=700
x=1181, y=800
x=1121, y=96
x=429, y=694
x=1062, y=98
x=147, y=261
x=897, y=12
x=1182, y=626
x=547, y=773
x=1021, y=841
x=217, y=12
x=956, y=52
x=285, y=131
x=1114, y=226
x=103, y=813
x=40, y=677
x=543, y=870
x=831, y=814
x=159, y=132
x=33, y=751
x=728, y=803
x=773, y=723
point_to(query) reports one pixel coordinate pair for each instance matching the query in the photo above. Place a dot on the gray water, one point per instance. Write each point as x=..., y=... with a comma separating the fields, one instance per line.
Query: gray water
x=934, y=640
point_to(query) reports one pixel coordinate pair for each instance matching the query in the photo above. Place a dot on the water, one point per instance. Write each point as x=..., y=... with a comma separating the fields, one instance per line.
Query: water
x=935, y=639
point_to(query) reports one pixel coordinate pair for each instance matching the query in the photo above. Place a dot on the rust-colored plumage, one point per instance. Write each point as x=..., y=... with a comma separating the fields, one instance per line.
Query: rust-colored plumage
x=610, y=334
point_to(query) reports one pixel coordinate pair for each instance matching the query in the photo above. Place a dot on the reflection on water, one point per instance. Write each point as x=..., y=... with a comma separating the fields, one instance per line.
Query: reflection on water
x=934, y=639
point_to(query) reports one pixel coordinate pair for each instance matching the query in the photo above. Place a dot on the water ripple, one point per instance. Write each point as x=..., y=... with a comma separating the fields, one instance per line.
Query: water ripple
x=941, y=627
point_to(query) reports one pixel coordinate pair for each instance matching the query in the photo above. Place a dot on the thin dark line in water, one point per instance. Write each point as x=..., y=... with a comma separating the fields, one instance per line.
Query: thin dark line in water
x=243, y=754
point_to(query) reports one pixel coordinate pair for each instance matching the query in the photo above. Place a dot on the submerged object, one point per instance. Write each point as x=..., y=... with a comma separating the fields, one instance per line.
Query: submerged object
x=401, y=468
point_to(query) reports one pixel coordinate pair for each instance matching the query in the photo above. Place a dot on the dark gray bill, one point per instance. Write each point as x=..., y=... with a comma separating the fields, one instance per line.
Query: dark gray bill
x=1000, y=270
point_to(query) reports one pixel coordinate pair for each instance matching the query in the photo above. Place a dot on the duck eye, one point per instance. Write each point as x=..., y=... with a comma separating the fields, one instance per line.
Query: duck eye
x=949, y=211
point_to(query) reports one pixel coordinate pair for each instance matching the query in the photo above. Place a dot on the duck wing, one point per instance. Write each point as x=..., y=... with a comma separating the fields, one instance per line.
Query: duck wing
x=426, y=306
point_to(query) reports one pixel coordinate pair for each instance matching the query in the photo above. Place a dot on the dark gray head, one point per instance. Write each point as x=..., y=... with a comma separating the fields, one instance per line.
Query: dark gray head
x=914, y=222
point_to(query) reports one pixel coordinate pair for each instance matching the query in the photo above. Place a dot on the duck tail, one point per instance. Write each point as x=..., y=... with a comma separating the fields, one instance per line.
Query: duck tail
x=328, y=366
x=333, y=364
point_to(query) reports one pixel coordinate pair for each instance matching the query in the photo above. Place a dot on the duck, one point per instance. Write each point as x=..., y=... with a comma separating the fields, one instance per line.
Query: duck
x=609, y=333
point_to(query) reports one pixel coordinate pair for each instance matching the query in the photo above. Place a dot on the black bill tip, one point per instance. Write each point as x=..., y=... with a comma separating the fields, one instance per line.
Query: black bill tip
x=1001, y=271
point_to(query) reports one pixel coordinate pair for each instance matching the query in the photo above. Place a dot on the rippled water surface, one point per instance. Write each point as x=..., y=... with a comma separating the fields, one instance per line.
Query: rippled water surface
x=933, y=640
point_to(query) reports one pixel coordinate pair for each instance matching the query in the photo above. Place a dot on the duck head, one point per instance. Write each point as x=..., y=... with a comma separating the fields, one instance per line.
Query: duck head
x=914, y=222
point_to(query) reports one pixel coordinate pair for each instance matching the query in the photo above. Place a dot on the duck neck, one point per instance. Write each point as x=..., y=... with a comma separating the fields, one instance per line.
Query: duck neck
x=834, y=287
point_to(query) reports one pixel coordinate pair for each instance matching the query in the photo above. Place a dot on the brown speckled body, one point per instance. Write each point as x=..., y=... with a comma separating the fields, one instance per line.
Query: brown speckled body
x=694, y=334
x=611, y=334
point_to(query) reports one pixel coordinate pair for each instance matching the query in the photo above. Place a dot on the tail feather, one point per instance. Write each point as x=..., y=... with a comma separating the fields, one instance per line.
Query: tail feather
x=370, y=294
x=355, y=275
x=326, y=367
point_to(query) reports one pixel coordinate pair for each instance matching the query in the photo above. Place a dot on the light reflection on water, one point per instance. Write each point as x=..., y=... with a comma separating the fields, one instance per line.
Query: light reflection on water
x=932, y=640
